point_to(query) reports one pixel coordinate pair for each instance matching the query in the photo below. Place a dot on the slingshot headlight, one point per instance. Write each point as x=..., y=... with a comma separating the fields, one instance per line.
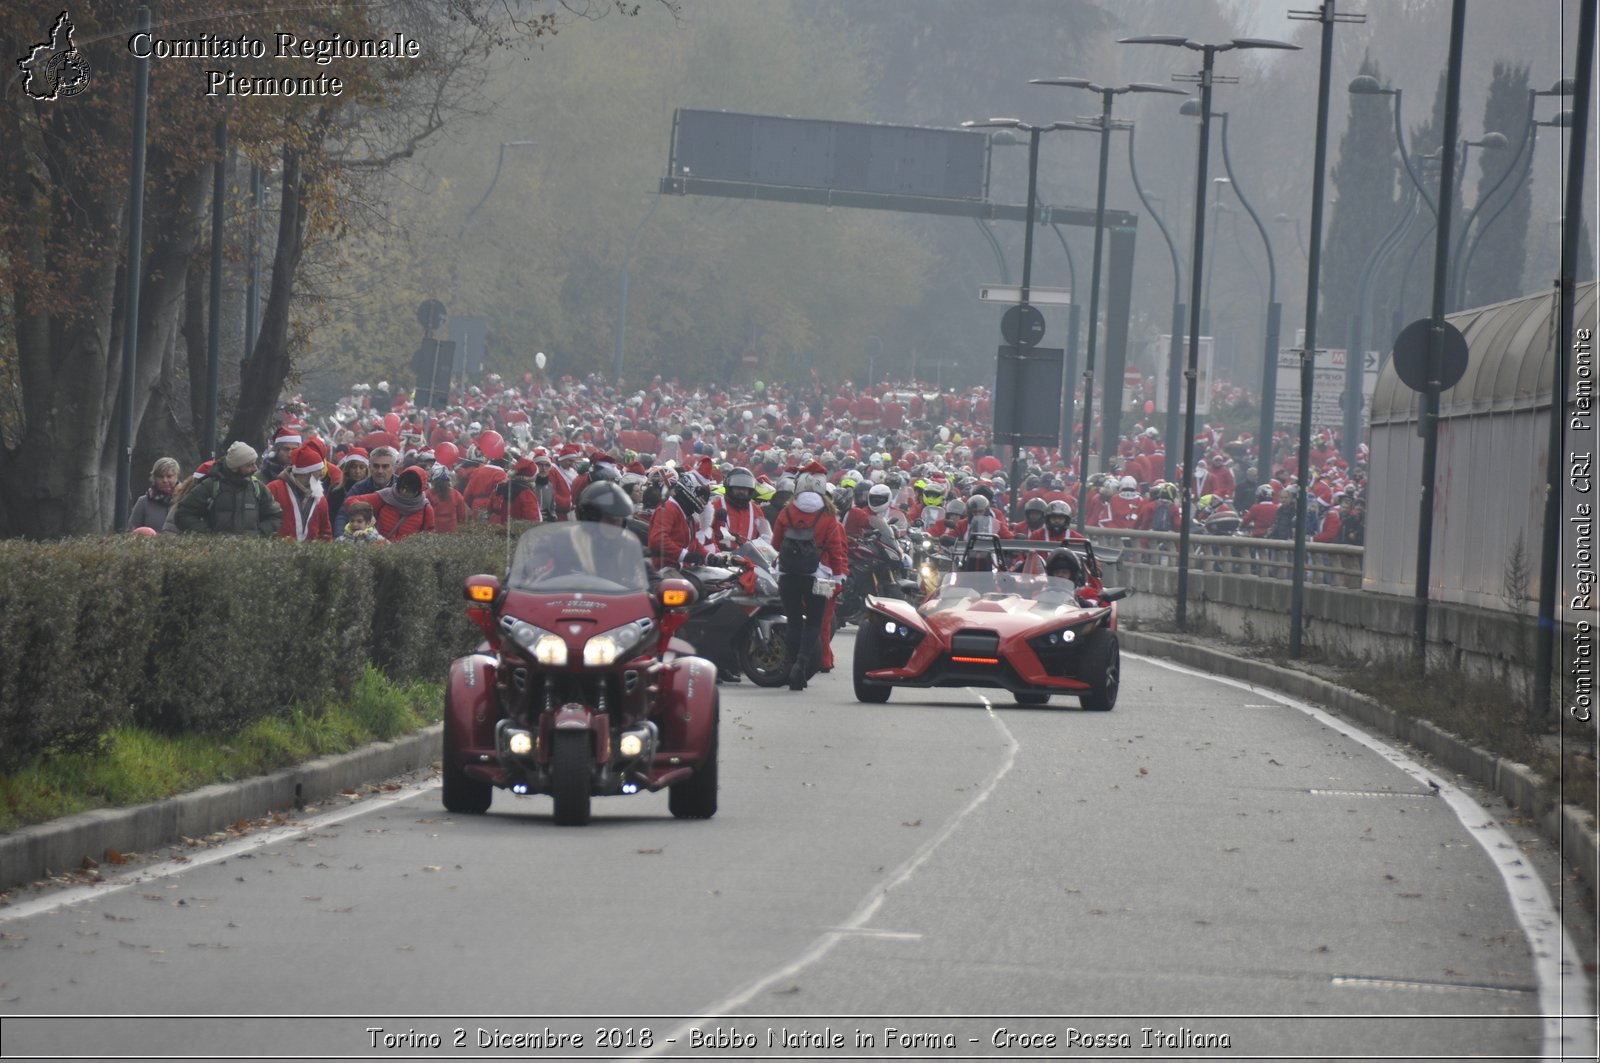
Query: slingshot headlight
x=630, y=745
x=520, y=743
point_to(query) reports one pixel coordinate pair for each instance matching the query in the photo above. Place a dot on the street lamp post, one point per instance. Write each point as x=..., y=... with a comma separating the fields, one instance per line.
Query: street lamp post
x=500, y=162
x=1328, y=15
x=1269, y=367
x=1530, y=133
x=1024, y=341
x=1175, y=336
x=1205, y=78
x=1441, y=267
x=1102, y=123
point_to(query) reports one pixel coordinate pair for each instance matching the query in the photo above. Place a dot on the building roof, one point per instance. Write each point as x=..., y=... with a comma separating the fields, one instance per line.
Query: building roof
x=1510, y=359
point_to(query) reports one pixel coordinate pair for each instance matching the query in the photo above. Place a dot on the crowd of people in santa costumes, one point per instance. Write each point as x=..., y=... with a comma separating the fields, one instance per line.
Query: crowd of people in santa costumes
x=710, y=464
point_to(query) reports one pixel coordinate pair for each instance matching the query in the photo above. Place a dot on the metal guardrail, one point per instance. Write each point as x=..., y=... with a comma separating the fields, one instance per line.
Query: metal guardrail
x=1327, y=564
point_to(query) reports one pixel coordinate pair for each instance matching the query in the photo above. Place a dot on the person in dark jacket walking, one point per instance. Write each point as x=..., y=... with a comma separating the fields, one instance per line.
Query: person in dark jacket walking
x=230, y=500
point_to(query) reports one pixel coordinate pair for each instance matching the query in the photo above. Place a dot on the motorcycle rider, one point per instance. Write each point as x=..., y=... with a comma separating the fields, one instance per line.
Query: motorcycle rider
x=1057, y=525
x=671, y=540
x=744, y=519
x=1033, y=513
x=817, y=553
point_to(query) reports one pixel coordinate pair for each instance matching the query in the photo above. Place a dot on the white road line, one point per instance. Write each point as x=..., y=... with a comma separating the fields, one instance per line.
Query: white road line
x=1563, y=987
x=856, y=924
x=201, y=857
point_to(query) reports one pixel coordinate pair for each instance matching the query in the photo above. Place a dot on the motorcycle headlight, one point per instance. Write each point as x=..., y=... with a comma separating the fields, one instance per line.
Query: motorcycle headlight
x=545, y=647
x=608, y=647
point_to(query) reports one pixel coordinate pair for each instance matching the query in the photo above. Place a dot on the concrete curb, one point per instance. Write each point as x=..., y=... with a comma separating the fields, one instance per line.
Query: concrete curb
x=1571, y=827
x=61, y=845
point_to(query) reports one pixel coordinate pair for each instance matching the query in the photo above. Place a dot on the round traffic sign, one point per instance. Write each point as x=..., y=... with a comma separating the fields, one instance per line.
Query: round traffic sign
x=1411, y=355
x=1022, y=325
x=430, y=314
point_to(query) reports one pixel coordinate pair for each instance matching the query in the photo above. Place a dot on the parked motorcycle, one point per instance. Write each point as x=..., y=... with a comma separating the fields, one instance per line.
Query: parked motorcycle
x=577, y=691
x=738, y=622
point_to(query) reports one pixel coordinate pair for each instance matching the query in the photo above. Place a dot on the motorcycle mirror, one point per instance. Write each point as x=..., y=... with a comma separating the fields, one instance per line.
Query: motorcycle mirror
x=1113, y=594
x=917, y=523
x=482, y=589
x=947, y=541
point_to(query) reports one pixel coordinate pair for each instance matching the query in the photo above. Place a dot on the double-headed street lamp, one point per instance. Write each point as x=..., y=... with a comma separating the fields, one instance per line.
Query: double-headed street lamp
x=1269, y=366
x=1175, y=337
x=1102, y=123
x=1206, y=78
x=1033, y=132
x=1530, y=133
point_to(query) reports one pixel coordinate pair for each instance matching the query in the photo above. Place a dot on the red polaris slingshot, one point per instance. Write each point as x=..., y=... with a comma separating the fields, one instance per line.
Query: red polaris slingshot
x=577, y=691
x=1029, y=617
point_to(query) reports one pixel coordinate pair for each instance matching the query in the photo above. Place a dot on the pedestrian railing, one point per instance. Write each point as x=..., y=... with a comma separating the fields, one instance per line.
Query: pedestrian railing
x=1327, y=564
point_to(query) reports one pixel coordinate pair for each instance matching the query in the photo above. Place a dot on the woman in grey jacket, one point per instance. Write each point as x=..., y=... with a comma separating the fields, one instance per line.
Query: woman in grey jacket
x=150, y=511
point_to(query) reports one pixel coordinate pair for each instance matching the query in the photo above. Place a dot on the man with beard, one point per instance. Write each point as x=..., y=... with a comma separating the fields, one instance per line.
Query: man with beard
x=230, y=500
x=298, y=489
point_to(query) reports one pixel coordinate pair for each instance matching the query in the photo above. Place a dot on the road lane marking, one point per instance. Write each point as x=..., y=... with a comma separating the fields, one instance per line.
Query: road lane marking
x=262, y=838
x=855, y=926
x=1563, y=987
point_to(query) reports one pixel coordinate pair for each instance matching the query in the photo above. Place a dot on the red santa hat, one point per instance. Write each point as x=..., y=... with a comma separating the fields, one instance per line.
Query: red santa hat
x=306, y=461
x=287, y=436
x=355, y=454
x=815, y=467
x=706, y=467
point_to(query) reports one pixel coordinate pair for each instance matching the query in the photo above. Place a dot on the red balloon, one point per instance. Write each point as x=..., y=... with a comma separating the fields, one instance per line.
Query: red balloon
x=1149, y=406
x=446, y=453
x=391, y=421
x=492, y=445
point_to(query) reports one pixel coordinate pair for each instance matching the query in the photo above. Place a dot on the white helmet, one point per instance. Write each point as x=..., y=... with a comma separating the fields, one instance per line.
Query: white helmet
x=878, y=497
x=1128, y=483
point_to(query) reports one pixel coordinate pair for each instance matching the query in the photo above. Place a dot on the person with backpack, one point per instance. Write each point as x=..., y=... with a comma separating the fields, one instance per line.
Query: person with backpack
x=230, y=500
x=812, y=548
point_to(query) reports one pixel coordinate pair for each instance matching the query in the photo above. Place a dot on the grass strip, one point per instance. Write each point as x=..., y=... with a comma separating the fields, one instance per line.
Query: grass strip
x=132, y=765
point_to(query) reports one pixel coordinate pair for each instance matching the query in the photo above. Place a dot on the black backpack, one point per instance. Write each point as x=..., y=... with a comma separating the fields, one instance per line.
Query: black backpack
x=799, y=554
x=1162, y=518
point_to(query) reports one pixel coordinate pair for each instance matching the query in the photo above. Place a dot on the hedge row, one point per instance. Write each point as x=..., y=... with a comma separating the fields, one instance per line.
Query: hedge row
x=209, y=633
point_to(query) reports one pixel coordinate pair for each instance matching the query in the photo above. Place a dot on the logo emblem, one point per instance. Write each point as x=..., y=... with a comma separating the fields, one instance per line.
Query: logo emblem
x=55, y=69
x=574, y=628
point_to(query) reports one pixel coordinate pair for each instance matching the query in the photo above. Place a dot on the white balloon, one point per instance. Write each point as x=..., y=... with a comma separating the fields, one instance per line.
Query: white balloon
x=539, y=359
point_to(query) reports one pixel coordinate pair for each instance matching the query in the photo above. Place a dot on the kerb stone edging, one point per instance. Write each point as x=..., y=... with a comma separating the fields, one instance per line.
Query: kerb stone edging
x=34, y=852
x=1569, y=826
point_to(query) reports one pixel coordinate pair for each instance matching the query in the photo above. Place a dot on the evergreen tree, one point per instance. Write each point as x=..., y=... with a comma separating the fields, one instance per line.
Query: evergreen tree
x=1497, y=263
x=1364, y=206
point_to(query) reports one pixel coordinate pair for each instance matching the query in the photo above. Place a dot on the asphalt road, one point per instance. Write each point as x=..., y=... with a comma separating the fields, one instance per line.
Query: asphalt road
x=1207, y=871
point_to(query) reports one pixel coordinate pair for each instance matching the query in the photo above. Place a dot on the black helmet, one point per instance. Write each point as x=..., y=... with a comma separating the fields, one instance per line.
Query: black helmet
x=1064, y=564
x=603, y=474
x=688, y=496
x=1033, y=511
x=605, y=502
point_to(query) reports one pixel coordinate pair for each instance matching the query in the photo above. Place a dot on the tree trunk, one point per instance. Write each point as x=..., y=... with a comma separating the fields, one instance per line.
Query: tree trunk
x=264, y=369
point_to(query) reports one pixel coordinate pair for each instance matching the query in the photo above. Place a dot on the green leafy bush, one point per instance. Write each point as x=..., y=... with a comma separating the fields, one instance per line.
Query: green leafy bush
x=211, y=633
